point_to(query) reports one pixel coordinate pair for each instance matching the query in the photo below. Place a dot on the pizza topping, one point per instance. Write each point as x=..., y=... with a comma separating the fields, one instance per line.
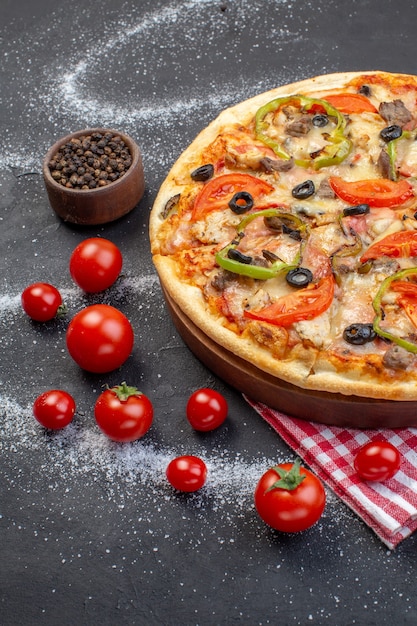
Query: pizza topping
x=357, y=209
x=320, y=120
x=238, y=256
x=395, y=112
x=391, y=132
x=276, y=165
x=300, y=127
x=335, y=146
x=365, y=90
x=281, y=221
x=303, y=190
x=386, y=164
x=397, y=358
x=302, y=304
x=351, y=103
x=398, y=244
x=375, y=192
x=203, y=173
x=299, y=277
x=359, y=334
x=324, y=190
x=217, y=192
x=233, y=260
x=241, y=202
x=409, y=305
x=170, y=206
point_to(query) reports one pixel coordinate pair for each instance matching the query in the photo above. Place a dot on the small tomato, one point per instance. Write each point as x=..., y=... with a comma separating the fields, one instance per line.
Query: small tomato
x=123, y=413
x=187, y=473
x=95, y=264
x=42, y=302
x=54, y=409
x=377, y=460
x=206, y=409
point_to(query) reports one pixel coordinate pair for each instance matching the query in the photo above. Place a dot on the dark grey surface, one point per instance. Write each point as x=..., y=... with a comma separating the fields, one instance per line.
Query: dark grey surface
x=90, y=533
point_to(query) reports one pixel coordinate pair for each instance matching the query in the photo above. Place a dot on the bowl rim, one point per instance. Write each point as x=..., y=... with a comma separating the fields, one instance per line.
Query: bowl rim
x=132, y=145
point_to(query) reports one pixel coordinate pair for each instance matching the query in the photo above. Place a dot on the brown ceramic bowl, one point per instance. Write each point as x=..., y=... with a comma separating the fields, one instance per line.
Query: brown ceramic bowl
x=102, y=204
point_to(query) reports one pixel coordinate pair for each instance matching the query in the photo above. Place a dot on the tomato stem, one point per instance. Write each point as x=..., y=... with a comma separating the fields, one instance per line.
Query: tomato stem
x=62, y=310
x=124, y=391
x=288, y=479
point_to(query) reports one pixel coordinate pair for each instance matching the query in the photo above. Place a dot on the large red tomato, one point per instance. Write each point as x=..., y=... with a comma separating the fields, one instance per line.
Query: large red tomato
x=290, y=498
x=100, y=338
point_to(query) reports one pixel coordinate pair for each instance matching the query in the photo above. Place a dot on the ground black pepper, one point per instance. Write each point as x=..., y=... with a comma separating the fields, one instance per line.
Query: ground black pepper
x=90, y=161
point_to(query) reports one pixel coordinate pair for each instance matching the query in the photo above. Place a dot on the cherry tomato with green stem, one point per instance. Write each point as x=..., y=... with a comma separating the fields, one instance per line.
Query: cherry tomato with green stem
x=54, y=409
x=123, y=413
x=289, y=498
x=42, y=302
x=187, y=473
x=95, y=264
x=99, y=338
x=206, y=409
x=377, y=460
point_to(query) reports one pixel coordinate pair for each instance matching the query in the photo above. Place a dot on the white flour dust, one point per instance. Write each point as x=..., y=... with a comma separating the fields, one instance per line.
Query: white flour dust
x=125, y=76
x=73, y=88
x=83, y=452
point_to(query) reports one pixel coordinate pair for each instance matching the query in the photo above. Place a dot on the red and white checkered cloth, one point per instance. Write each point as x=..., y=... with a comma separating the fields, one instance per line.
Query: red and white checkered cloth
x=389, y=507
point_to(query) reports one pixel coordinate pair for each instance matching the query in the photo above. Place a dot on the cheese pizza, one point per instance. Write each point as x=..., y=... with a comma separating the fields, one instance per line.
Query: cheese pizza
x=287, y=233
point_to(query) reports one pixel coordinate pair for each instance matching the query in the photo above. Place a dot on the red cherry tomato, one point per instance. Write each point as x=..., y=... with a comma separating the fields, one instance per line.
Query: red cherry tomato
x=377, y=460
x=54, y=409
x=290, y=498
x=99, y=338
x=206, y=409
x=95, y=264
x=41, y=301
x=187, y=473
x=123, y=413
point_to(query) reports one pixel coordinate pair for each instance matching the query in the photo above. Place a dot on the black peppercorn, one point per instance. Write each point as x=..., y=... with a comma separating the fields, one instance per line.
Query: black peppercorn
x=90, y=161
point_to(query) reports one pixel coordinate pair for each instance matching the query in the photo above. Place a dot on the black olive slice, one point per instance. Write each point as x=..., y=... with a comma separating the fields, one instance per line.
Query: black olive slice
x=203, y=173
x=241, y=202
x=359, y=334
x=291, y=232
x=236, y=255
x=391, y=132
x=320, y=120
x=365, y=90
x=299, y=277
x=358, y=209
x=303, y=190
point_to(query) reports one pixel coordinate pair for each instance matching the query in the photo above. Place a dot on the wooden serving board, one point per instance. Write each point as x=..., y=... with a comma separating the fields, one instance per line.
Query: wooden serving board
x=327, y=408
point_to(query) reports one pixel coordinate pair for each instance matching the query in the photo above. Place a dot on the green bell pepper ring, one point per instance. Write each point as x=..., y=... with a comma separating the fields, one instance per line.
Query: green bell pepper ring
x=258, y=272
x=335, y=152
x=392, y=154
x=377, y=304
